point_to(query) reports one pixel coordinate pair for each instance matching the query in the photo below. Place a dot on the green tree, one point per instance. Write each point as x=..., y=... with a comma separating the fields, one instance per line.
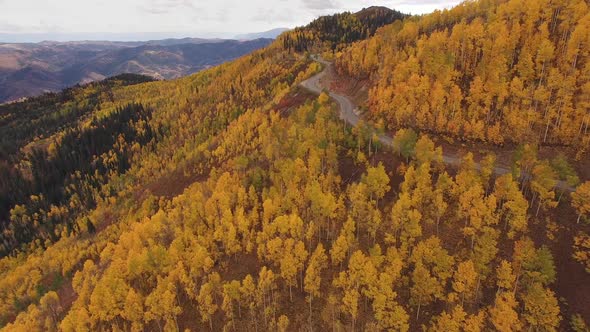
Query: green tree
x=404, y=142
x=565, y=172
x=543, y=184
x=427, y=153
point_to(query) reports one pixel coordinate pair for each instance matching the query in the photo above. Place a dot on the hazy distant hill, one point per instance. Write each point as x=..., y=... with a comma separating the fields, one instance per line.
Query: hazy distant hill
x=33, y=68
x=274, y=33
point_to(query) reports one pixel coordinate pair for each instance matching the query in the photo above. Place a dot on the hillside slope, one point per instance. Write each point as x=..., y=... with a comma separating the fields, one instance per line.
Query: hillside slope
x=502, y=72
x=235, y=199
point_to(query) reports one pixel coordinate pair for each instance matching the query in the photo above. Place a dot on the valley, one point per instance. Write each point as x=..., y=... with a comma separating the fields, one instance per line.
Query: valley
x=33, y=69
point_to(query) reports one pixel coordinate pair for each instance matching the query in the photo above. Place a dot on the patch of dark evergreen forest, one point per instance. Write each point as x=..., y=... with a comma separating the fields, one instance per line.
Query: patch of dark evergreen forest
x=340, y=29
x=42, y=116
x=67, y=178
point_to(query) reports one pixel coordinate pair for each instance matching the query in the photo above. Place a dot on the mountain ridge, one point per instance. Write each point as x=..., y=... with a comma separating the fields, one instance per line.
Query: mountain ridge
x=63, y=64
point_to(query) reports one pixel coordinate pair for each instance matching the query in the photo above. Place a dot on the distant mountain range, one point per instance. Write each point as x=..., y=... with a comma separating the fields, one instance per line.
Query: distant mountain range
x=274, y=33
x=31, y=69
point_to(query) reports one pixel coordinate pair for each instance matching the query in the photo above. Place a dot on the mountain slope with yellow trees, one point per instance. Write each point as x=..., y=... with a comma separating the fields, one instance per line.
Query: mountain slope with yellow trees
x=494, y=71
x=236, y=200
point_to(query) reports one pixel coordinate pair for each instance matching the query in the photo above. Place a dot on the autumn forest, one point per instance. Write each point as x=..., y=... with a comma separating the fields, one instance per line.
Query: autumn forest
x=235, y=199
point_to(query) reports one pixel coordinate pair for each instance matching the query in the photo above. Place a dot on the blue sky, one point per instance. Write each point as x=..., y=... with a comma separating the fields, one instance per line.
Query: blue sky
x=132, y=19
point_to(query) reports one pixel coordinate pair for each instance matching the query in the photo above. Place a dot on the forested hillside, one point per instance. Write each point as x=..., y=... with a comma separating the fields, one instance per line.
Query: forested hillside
x=339, y=30
x=494, y=71
x=50, y=164
x=236, y=200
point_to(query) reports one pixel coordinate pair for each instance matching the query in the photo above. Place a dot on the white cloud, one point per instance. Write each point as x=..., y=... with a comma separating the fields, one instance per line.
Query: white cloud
x=319, y=4
x=189, y=17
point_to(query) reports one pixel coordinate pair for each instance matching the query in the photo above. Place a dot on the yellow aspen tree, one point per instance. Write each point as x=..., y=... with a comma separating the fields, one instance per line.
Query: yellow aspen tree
x=423, y=289
x=248, y=295
x=266, y=287
x=350, y=303
x=50, y=305
x=442, y=197
x=77, y=320
x=283, y=324
x=288, y=265
x=541, y=308
x=505, y=279
x=487, y=167
x=377, y=182
x=581, y=200
x=163, y=304
x=582, y=250
x=449, y=322
x=134, y=311
x=339, y=250
x=231, y=295
x=406, y=225
x=312, y=282
x=475, y=322
x=389, y=314
x=465, y=279
x=503, y=315
x=300, y=254
x=359, y=279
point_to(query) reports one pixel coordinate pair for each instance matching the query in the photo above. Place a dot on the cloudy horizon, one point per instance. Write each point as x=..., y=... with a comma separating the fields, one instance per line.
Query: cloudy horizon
x=62, y=20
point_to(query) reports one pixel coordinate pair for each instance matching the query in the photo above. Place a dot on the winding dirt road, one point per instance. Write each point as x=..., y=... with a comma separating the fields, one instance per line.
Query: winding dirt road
x=349, y=113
